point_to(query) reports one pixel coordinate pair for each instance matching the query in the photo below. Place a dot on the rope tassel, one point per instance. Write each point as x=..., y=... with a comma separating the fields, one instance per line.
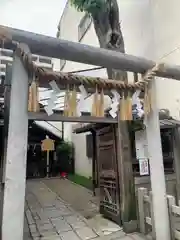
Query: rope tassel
x=147, y=100
x=129, y=108
x=33, y=102
x=66, y=103
x=30, y=100
x=101, y=104
x=122, y=108
x=95, y=104
x=73, y=103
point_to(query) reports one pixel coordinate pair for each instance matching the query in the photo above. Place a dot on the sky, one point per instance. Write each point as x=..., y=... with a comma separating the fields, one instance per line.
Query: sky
x=39, y=16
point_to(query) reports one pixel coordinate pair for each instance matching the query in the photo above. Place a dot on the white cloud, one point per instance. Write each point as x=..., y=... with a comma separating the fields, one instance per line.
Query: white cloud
x=40, y=16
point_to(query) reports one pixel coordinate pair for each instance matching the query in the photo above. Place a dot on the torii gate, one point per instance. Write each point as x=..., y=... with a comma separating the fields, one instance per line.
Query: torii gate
x=14, y=192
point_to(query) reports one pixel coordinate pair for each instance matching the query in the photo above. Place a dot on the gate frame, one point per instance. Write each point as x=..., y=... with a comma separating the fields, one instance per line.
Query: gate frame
x=52, y=47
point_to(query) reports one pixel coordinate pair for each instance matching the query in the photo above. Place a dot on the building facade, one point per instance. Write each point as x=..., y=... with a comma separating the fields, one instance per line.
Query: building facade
x=149, y=31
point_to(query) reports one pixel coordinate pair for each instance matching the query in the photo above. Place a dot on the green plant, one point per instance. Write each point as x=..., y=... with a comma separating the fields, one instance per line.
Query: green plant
x=89, y=6
x=65, y=148
x=136, y=125
x=81, y=180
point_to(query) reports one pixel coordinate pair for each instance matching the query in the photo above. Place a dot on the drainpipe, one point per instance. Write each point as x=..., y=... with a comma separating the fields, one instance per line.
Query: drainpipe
x=63, y=131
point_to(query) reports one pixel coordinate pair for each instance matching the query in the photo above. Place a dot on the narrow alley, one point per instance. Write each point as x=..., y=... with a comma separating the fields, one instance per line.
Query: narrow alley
x=49, y=217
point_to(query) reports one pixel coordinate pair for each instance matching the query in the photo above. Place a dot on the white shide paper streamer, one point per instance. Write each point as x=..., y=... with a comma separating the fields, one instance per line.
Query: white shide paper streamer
x=54, y=87
x=115, y=103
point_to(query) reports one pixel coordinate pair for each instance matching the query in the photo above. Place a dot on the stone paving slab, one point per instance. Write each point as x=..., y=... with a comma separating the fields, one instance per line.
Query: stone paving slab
x=75, y=222
x=69, y=235
x=103, y=226
x=61, y=225
x=86, y=233
x=137, y=236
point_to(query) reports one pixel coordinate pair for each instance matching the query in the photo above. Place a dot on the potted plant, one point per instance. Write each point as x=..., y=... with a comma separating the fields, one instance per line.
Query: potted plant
x=65, y=155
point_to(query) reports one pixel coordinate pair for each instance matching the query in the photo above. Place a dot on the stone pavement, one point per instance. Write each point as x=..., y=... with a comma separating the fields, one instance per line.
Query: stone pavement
x=27, y=235
x=51, y=218
x=69, y=191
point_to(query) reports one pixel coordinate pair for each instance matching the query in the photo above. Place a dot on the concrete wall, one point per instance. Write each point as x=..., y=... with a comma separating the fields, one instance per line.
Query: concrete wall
x=150, y=30
x=83, y=164
x=167, y=39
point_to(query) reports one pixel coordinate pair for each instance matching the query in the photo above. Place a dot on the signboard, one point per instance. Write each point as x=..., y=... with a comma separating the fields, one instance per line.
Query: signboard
x=144, y=166
x=47, y=145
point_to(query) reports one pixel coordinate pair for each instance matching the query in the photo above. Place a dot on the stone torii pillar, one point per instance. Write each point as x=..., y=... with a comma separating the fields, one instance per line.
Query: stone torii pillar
x=158, y=183
x=15, y=170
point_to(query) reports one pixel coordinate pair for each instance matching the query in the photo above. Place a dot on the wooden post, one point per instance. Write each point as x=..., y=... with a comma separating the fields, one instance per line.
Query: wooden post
x=141, y=193
x=47, y=173
x=7, y=93
x=161, y=218
x=176, y=151
x=94, y=161
x=15, y=172
x=127, y=188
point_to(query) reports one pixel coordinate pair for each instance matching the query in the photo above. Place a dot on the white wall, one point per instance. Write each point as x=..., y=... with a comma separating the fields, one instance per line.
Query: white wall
x=54, y=127
x=167, y=37
x=83, y=164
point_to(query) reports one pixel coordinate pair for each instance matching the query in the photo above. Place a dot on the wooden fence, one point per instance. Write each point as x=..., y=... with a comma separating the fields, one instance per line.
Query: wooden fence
x=146, y=216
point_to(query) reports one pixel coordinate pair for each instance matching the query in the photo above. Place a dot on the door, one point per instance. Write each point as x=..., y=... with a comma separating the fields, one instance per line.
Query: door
x=108, y=173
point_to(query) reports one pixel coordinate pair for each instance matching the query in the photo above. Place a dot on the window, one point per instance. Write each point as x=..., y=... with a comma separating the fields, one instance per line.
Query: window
x=5, y=62
x=89, y=146
x=34, y=58
x=167, y=150
x=45, y=60
x=2, y=69
x=6, y=53
x=84, y=25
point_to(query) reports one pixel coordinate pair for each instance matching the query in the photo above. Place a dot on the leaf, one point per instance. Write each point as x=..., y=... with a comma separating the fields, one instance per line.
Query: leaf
x=90, y=6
